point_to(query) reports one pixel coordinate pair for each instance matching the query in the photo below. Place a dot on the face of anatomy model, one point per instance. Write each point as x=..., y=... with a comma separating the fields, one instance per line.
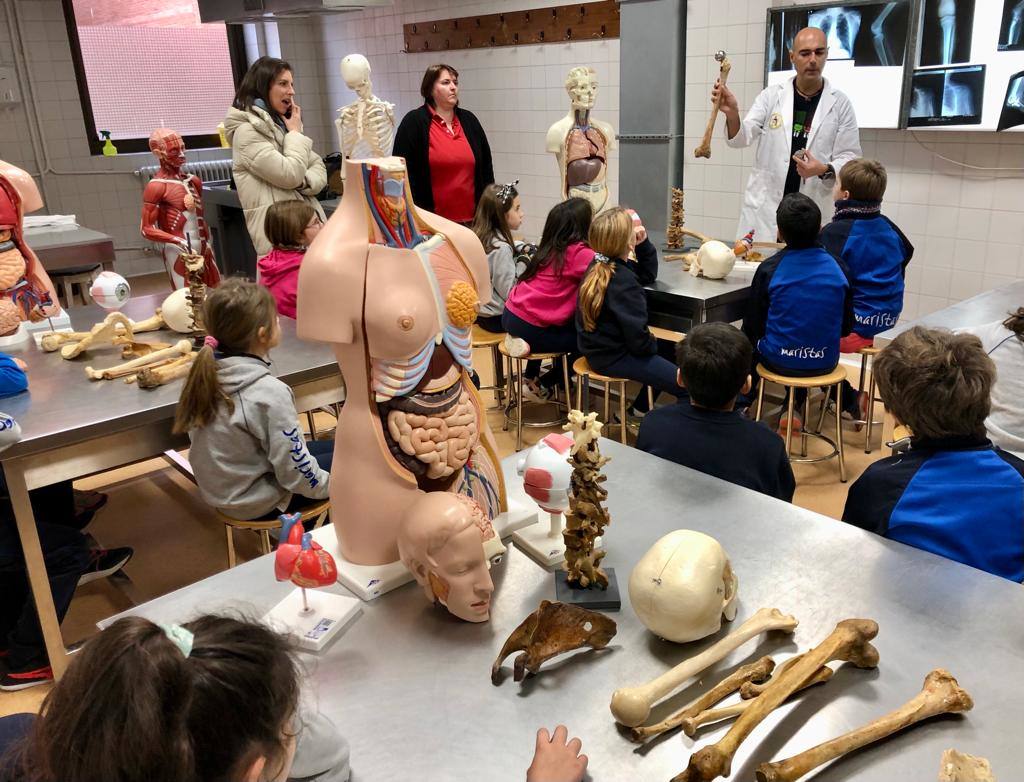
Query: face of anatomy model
x=282, y=93
x=462, y=580
x=173, y=152
x=584, y=93
x=809, y=55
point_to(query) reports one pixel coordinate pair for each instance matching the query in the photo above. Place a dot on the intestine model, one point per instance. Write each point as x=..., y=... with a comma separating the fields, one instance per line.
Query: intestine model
x=26, y=292
x=581, y=143
x=546, y=475
x=366, y=127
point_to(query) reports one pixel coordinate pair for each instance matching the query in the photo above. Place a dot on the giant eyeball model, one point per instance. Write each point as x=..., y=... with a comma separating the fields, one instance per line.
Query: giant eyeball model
x=547, y=473
x=177, y=313
x=714, y=261
x=111, y=291
x=683, y=587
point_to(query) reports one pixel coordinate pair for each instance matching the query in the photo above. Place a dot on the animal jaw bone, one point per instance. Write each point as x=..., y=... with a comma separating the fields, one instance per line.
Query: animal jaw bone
x=691, y=724
x=132, y=367
x=940, y=695
x=849, y=642
x=757, y=671
x=552, y=629
x=632, y=705
x=151, y=377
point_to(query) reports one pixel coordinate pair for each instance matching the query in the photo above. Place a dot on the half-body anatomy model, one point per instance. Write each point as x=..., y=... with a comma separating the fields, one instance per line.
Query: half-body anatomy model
x=172, y=211
x=366, y=127
x=581, y=143
x=26, y=293
x=394, y=290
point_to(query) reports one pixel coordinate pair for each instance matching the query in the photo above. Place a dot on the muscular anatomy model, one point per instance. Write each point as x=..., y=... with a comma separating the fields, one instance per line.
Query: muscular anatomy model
x=395, y=289
x=581, y=144
x=366, y=127
x=172, y=210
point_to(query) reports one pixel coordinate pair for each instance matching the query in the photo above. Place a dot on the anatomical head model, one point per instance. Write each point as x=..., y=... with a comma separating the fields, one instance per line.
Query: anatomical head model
x=441, y=542
x=395, y=290
x=581, y=143
x=683, y=586
x=172, y=211
x=366, y=127
x=26, y=293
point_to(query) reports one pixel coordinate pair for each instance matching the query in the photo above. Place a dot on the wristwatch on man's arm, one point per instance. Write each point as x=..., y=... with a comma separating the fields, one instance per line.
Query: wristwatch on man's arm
x=830, y=173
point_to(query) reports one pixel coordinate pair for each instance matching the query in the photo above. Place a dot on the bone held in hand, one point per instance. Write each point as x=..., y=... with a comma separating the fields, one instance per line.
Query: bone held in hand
x=849, y=642
x=757, y=671
x=131, y=367
x=691, y=724
x=940, y=695
x=704, y=150
x=632, y=705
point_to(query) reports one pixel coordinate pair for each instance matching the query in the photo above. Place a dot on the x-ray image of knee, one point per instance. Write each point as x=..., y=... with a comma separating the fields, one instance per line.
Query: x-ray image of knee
x=882, y=40
x=1012, y=114
x=949, y=96
x=946, y=33
x=840, y=25
x=1011, y=31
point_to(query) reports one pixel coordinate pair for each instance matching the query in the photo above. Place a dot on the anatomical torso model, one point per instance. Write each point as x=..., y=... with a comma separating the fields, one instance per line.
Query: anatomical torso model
x=26, y=293
x=581, y=144
x=172, y=211
x=366, y=127
x=395, y=290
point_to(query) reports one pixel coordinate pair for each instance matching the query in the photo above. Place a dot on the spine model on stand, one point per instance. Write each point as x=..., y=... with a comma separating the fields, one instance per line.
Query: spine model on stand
x=676, y=219
x=194, y=268
x=587, y=516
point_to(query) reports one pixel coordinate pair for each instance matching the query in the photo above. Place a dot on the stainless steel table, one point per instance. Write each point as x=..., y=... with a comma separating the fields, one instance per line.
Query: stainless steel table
x=73, y=427
x=986, y=307
x=59, y=247
x=677, y=300
x=410, y=688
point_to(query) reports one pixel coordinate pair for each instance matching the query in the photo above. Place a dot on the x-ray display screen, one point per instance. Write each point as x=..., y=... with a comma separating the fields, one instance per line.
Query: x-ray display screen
x=1012, y=115
x=867, y=45
x=947, y=32
x=947, y=96
x=1011, y=31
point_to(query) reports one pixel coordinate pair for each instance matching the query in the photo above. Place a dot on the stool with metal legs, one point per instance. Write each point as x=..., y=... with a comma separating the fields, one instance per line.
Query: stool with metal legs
x=584, y=373
x=868, y=354
x=519, y=362
x=482, y=338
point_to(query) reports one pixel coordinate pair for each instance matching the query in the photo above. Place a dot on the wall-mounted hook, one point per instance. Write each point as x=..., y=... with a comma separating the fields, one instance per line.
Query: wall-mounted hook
x=515, y=38
x=478, y=22
x=446, y=46
x=540, y=35
x=604, y=31
x=414, y=30
x=568, y=34
x=469, y=43
x=426, y=45
x=455, y=24
x=501, y=19
x=526, y=18
x=554, y=13
x=433, y=27
x=583, y=11
x=492, y=40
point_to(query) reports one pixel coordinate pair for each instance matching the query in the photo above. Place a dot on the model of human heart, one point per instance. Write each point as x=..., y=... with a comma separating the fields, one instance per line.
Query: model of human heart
x=300, y=559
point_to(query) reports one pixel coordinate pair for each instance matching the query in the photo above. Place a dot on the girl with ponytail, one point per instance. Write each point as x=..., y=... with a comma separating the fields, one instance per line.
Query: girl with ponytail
x=249, y=455
x=1004, y=343
x=611, y=317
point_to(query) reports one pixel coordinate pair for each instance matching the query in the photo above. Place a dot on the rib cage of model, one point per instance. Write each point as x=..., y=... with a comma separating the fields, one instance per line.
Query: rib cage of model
x=366, y=127
x=957, y=100
x=840, y=26
x=884, y=46
x=947, y=22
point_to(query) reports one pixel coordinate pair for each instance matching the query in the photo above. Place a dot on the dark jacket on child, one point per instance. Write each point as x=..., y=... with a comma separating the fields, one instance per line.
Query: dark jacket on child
x=721, y=443
x=800, y=306
x=876, y=254
x=959, y=497
x=621, y=328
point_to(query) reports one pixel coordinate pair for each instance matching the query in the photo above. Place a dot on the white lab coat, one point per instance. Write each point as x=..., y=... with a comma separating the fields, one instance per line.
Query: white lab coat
x=834, y=139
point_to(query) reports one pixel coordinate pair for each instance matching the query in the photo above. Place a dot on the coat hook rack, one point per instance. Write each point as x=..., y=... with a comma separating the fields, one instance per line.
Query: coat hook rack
x=517, y=28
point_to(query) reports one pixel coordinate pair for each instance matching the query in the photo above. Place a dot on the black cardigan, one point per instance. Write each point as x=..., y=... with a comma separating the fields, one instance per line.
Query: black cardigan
x=412, y=141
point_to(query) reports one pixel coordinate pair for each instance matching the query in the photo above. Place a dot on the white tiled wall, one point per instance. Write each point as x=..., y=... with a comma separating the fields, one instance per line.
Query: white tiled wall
x=967, y=225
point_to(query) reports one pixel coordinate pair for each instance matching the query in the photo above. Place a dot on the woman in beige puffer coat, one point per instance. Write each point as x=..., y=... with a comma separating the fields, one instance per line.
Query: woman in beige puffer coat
x=271, y=159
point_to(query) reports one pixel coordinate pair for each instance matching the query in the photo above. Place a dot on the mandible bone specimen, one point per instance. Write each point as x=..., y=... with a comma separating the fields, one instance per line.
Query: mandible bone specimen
x=940, y=695
x=849, y=642
x=587, y=517
x=552, y=629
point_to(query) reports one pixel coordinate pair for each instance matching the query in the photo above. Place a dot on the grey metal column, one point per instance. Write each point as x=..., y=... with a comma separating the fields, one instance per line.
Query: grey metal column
x=652, y=81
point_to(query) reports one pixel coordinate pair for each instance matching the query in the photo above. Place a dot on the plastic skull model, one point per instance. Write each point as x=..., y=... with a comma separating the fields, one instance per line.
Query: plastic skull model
x=714, y=261
x=110, y=290
x=546, y=473
x=683, y=586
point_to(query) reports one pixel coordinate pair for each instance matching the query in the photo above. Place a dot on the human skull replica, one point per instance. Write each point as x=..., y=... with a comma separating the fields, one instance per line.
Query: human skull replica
x=683, y=587
x=546, y=472
x=714, y=261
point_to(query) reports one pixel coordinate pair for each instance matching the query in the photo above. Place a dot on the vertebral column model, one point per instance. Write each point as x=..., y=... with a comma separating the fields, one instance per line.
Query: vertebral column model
x=366, y=127
x=172, y=210
x=581, y=143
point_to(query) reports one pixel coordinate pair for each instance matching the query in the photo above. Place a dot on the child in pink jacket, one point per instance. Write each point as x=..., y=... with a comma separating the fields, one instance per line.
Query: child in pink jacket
x=290, y=227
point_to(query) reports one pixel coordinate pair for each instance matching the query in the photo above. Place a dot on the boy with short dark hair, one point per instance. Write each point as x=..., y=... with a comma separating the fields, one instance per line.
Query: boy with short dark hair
x=706, y=432
x=800, y=304
x=953, y=493
x=876, y=254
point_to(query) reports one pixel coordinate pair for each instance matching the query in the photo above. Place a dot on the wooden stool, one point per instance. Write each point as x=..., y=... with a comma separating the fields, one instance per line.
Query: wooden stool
x=482, y=338
x=584, y=373
x=82, y=276
x=832, y=381
x=519, y=389
x=318, y=511
x=867, y=354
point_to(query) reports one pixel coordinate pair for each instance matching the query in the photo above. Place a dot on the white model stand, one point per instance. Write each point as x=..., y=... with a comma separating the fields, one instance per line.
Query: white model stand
x=515, y=518
x=313, y=617
x=543, y=541
x=19, y=336
x=364, y=581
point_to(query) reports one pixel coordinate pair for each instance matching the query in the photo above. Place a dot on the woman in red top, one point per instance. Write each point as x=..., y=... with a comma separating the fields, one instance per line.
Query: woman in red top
x=446, y=153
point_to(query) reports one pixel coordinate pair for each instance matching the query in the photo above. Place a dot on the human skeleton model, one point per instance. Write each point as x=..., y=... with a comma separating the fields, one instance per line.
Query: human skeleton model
x=26, y=293
x=840, y=26
x=581, y=144
x=366, y=127
x=172, y=210
x=395, y=290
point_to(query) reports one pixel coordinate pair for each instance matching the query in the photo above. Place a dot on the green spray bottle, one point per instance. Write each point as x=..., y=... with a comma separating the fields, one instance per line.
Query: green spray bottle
x=108, y=146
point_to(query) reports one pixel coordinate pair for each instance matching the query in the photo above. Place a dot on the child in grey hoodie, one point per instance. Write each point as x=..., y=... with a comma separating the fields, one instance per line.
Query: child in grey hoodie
x=249, y=455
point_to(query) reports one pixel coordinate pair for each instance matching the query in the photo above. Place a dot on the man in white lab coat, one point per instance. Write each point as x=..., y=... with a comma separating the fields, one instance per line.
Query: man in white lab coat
x=807, y=131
